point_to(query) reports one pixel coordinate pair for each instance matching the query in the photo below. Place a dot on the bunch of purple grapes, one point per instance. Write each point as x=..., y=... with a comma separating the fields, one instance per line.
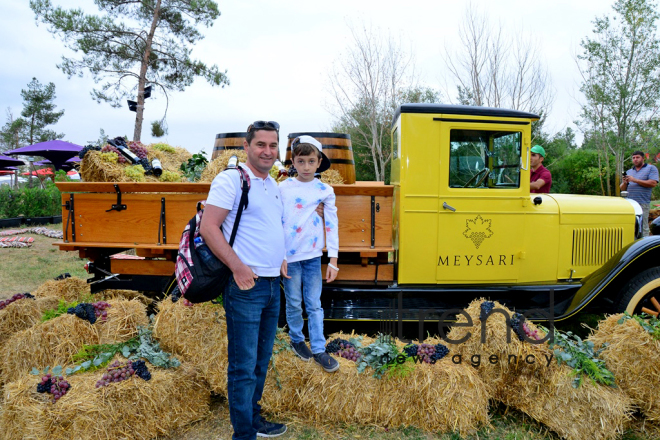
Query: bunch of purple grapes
x=426, y=352
x=111, y=149
x=411, y=350
x=117, y=372
x=486, y=308
x=100, y=309
x=334, y=345
x=348, y=351
x=55, y=385
x=16, y=297
x=531, y=334
x=517, y=321
x=138, y=149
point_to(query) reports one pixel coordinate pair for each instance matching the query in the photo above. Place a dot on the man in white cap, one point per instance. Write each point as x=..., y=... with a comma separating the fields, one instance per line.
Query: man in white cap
x=304, y=241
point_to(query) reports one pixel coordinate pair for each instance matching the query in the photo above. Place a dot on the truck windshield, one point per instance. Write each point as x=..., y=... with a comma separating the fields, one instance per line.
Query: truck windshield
x=484, y=159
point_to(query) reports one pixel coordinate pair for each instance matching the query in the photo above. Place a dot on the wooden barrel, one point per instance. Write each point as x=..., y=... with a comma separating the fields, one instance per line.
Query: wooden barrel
x=337, y=146
x=227, y=141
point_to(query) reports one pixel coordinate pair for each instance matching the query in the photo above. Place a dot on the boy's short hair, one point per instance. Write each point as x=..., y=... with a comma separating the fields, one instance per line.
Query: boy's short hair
x=305, y=149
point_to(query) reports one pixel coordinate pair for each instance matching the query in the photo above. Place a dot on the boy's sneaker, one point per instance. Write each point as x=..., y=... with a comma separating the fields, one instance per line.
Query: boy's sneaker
x=269, y=429
x=326, y=361
x=301, y=350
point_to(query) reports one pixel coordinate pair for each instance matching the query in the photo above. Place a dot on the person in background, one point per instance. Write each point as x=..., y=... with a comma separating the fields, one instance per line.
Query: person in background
x=540, y=179
x=252, y=297
x=640, y=181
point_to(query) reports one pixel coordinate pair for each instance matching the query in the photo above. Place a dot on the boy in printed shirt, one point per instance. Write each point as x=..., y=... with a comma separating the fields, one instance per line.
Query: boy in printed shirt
x=304, y=241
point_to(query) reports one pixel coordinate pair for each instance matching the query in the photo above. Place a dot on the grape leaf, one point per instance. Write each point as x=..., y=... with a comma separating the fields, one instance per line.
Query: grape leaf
x=35, y=371
x=85, y=365
x=57, y=370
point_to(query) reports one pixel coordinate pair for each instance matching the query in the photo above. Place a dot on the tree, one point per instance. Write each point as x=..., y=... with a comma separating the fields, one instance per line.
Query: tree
x=14, y=133
x=620, y=68
x=39, y=112
x=367, y=84
x=132, y=44
x=495, y=70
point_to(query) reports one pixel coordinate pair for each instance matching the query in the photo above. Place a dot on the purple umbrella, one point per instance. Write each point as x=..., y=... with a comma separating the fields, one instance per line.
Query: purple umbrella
x=6, y=161
x=58, y=152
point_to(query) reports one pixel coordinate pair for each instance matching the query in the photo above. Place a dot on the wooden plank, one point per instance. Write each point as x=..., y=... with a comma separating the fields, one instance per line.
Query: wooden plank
x=364, y=189
x=354, y=214
x=361, y=188
x=138, y=223
x=142, y=267
x=134, y=187
x=356, y=272
x=72, y=246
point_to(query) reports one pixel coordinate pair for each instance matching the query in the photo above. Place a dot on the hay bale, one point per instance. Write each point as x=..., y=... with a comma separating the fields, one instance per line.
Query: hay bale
x=634, y=357
x=170, y=161
x=23, y=314
x=198, y=336
x=75, y=289
x=134, y=408
x=54, y=342
x=544, y=392
x=332, y=177
x=69, y=289
x=217, y=165
x=95, y=169
x=443, y=397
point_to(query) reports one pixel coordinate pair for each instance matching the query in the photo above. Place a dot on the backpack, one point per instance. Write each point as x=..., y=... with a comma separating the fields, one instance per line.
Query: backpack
x=199, y=274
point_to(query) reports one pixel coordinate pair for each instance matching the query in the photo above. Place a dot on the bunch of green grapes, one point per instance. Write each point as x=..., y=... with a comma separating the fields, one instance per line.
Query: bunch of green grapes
x=170, y=176
x=164, y=147
x=109, y=157
x=135, y=173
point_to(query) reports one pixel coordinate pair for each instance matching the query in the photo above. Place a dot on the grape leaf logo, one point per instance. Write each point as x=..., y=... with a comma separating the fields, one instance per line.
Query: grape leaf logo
x=478, y=230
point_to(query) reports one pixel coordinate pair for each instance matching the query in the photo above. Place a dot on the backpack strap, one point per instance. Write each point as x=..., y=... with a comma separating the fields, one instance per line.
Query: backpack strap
x=242, y=204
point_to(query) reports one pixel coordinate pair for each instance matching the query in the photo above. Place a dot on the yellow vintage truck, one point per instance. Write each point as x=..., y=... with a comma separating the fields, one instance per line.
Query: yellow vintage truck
x=457, y=222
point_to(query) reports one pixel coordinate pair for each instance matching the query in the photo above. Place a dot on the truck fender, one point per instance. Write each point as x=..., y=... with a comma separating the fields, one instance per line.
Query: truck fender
x=621, y=273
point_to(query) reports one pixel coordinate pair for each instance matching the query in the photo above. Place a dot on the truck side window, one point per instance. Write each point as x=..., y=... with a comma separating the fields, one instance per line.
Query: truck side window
x=484, y=159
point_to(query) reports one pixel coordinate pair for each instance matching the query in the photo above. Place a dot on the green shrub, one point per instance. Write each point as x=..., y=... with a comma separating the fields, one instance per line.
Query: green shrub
x=30, y=202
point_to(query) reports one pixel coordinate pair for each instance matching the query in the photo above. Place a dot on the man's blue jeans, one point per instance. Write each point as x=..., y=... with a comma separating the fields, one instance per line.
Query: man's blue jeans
x=251, y=326
x=308, y=274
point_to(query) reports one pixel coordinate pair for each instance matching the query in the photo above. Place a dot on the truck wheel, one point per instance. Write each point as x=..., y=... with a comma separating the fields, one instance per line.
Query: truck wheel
x=641, y=294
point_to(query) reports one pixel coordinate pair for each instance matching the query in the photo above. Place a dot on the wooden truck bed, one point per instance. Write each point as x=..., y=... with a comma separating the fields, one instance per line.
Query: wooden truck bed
x=103, y=219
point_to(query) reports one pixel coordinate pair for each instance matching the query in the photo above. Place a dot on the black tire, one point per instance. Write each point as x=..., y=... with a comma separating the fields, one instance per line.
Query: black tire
x=640, y=293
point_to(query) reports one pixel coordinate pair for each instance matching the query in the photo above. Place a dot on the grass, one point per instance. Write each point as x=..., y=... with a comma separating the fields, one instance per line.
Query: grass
x=24, y=269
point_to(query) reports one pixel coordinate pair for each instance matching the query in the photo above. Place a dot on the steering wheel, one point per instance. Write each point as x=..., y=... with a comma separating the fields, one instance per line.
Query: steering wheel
x=479, y=178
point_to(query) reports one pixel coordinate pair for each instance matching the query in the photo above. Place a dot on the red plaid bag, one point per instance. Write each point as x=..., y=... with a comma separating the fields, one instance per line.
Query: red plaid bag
x=200, y=275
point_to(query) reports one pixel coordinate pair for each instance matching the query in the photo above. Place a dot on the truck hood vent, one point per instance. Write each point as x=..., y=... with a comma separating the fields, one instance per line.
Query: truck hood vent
x=595, y=246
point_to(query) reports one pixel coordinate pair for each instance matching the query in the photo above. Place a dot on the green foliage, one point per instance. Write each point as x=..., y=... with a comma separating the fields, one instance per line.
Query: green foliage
x=39, y=112
x=649, y=323
x=124, y=38
x=401, y=370
x=61, y=309
x=380, y=355
x=14, y=133
x=194, y=167
x=581, y=357
x=620, y=65
x=143, y=346
x=10, y=202
x=56, y=371
x=158, y=129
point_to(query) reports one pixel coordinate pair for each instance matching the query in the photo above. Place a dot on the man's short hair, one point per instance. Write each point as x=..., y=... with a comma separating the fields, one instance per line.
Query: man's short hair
x=305, y=149
x=262, y=125
x=638, y=153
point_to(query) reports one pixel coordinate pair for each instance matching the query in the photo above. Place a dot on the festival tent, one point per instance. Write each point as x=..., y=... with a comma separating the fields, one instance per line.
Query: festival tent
x=56, y=151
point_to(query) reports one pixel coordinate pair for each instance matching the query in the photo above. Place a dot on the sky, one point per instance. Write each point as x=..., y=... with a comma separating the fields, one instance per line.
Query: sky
x=278, y=56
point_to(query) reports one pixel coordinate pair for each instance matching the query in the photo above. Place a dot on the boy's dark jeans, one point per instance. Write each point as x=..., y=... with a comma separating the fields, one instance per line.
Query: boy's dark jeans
x=252, y=317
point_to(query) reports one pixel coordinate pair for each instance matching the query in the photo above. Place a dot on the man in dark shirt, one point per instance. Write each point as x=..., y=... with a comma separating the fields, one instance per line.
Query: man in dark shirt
x=640, y=181
x=540, y=179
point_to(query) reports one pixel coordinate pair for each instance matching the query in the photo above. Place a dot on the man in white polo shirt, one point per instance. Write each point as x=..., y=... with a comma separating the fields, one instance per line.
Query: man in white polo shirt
x=252, y=297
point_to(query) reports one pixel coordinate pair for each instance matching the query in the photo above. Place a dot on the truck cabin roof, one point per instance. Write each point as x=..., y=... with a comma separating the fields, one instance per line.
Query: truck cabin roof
x=471, y=110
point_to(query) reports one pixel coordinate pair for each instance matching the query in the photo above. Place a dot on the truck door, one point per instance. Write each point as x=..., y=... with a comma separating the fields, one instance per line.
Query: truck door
x=481, y=219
